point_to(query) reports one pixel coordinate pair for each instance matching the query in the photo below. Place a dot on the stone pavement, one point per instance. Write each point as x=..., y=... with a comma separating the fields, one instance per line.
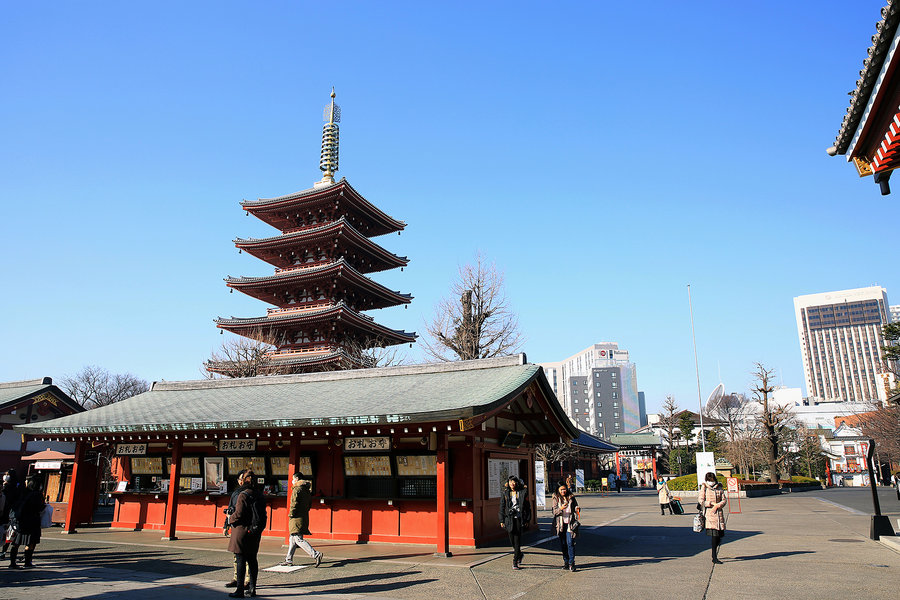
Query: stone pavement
x=802, y=545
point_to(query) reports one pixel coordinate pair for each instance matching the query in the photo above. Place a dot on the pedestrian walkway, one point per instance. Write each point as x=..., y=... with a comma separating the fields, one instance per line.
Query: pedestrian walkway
x=780, y=546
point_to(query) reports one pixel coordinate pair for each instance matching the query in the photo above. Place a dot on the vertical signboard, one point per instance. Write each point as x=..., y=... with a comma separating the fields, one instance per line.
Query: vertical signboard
x=706, y=463
x=579, y=479
x=540, y=489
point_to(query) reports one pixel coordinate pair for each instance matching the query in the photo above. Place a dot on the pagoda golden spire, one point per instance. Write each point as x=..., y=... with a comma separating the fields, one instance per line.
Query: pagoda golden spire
x=328, y=164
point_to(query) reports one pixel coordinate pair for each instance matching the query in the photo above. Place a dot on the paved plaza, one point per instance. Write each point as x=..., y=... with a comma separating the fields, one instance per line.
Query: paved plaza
x=801, y=545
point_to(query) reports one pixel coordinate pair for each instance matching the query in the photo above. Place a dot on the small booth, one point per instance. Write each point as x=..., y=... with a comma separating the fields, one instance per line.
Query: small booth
x=412, y=454
x=54, y=472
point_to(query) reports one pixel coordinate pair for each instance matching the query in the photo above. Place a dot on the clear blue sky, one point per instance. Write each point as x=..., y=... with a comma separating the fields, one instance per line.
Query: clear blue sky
x=605, y=155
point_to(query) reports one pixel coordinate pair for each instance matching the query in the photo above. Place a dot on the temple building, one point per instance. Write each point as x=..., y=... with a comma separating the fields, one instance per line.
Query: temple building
x=411, y=454
x=320, y=289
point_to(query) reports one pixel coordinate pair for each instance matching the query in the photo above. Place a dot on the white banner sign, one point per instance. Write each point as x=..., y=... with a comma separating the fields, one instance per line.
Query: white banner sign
x=48, y=464
x=579, y=479
x=706, y=463
x=540, y=489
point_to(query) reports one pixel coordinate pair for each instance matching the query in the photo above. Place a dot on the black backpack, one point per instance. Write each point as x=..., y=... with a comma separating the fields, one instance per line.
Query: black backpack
x=257, y=513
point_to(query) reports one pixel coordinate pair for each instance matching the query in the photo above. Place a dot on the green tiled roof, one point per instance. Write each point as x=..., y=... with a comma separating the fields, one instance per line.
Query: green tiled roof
x=634, y=439
x=15, y=390
x=366, y=396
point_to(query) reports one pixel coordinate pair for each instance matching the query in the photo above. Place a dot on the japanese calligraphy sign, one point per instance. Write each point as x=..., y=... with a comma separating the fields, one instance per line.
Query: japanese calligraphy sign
x=237, y=445
x=131, y=449
x=367, y=443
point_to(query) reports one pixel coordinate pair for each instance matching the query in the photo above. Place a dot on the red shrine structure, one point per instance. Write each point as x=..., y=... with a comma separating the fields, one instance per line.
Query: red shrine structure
x=869, y=136
x=320, y=287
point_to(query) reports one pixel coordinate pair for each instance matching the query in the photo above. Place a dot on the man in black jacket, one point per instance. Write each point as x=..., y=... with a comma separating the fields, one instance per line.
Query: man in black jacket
x=227, y=528
x=515, y=515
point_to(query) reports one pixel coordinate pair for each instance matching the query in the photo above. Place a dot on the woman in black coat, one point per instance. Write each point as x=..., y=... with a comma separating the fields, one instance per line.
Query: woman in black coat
x=25, y=518
x=244, y=542
x=515, y=514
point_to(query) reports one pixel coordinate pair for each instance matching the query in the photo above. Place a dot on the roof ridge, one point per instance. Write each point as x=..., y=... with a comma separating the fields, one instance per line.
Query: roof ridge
x=27, y=383
x=463, y=365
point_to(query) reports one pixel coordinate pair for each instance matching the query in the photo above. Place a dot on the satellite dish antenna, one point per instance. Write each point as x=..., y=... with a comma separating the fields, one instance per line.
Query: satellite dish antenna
x=715, y=396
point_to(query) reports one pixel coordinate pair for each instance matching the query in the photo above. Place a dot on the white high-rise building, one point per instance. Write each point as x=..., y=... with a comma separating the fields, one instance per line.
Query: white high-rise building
x=598, y=389
x=840, y=340
x=895, y=313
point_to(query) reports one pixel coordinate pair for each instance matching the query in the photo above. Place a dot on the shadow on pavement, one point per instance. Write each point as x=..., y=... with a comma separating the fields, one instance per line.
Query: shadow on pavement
x=369, y=583
x=766, y=555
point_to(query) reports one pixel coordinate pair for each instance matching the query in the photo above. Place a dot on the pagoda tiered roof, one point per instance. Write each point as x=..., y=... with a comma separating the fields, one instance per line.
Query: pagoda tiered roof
x=287, y=322
x=323, y=203
x=296, y=362
x=276, y=289
x=283, y=250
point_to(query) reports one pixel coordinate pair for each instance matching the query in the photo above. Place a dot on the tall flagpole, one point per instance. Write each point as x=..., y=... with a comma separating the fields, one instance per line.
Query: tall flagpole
x=697, y=366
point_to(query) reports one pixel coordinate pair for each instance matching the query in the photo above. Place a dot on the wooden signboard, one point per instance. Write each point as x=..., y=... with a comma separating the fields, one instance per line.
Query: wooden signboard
x=417, y=465
x=367, y=466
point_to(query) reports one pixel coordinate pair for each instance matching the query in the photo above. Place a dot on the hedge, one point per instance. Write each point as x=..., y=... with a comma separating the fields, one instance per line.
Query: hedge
x=688, y=483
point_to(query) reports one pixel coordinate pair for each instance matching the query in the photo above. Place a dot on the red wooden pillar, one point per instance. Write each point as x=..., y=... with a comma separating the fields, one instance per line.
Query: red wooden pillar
x=654, y=465
x=80, y=448
x=618, y=468
x=293, y=461
x=172, y=501
x=443, y=498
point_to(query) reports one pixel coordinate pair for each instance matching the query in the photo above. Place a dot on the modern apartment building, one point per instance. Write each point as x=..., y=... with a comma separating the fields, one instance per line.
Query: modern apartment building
x=840, y=341
x=895, y=313
x=598, y=389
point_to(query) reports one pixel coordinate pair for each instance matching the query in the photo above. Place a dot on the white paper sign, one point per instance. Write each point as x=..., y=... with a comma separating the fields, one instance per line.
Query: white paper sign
x=499, y=471
x=540, y=489
x=121, y=486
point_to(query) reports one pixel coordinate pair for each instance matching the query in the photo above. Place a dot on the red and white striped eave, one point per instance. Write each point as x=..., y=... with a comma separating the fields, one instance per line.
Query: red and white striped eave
x=886, y=155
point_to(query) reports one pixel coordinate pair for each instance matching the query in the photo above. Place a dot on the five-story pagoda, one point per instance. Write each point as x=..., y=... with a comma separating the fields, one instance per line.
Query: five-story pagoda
x=319, y=289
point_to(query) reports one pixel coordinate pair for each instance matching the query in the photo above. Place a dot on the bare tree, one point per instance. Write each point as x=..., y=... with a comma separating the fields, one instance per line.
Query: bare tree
x=94, y=386
x=551, y=453
x=732, y=409
x=250, y=357
x=883, y=426
x=240, y=357
x=668, y=419
x=476, y=321
x=774, y=420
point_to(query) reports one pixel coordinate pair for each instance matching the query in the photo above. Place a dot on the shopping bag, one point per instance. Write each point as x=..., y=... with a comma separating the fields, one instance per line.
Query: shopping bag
x=47, y=516
x=699, y=523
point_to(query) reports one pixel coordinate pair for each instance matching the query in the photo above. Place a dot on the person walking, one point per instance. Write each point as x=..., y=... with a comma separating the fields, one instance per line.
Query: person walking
x=25, y=519
x=514, y=515
x=712, y=501
x=298, y=521
x=244, y=541
x=227, y=527
x=11, y=497
x=565, y=512
x=665, y=497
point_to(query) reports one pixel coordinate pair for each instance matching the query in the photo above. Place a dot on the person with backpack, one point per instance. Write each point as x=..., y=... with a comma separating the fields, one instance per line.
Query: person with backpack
x=247, y=524
x=301, y=500
x=227, y=528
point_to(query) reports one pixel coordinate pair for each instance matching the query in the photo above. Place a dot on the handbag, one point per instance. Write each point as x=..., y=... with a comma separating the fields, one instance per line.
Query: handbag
x=574, y=525
x=699, y=521
x=47, y=517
